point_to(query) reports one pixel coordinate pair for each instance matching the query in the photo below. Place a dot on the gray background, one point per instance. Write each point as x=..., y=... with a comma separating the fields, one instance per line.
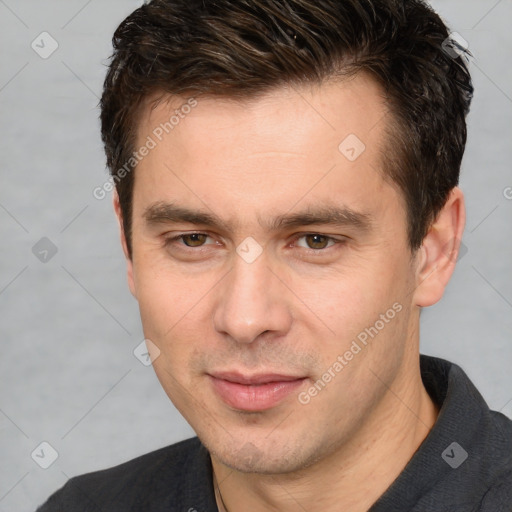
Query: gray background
x=69, y=326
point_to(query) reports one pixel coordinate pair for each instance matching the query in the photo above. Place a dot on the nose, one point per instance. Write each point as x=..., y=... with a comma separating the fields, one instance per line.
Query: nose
x=252, y=301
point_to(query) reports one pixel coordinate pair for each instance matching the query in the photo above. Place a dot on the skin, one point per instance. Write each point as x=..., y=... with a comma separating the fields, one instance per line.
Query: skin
x=297, y=307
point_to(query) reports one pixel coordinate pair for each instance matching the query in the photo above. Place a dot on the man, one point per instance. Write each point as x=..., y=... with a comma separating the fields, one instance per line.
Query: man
x=286, y=185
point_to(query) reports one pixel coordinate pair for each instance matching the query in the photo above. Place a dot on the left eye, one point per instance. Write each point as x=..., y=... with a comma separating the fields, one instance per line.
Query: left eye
x=194, y=239
x=316, y=241
x=189, y=239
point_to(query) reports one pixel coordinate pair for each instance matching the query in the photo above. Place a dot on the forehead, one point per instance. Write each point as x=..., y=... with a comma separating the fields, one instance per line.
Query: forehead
x=344, y=105
x=315, y=143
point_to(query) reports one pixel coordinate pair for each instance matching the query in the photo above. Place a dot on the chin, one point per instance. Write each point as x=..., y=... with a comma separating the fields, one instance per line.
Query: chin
x=267, y=458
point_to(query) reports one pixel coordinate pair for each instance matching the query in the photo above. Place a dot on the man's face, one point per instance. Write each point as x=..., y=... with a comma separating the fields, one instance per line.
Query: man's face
x=273, y=289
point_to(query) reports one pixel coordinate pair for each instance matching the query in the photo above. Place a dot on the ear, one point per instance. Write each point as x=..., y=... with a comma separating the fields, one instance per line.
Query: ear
x=438, y=253
x=129, y=262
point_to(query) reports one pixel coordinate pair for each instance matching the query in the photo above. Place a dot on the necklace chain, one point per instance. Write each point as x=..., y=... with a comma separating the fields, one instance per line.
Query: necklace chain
x=220, y=494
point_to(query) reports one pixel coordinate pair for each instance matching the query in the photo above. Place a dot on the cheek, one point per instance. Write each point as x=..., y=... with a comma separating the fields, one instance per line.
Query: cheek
x=354, y=315
x=174, y=308
x=339, y=302
x=157, y=304
x=165, y=296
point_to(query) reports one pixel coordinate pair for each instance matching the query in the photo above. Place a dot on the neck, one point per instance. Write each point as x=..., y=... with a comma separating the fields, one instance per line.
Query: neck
x=354, y=475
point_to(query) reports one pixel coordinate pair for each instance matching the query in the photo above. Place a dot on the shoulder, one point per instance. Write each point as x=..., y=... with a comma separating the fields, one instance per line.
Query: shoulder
x=157, y=476
x=499, y=493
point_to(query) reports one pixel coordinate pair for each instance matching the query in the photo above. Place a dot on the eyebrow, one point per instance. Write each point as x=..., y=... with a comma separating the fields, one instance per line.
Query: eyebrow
x=170, y=213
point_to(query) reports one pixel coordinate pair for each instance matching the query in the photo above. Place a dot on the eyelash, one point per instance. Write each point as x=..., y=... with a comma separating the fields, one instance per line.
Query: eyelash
x=170, y=240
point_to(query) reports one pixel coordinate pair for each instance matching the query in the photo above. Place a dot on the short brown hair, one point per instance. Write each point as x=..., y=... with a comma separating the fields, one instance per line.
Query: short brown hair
x=242, y=48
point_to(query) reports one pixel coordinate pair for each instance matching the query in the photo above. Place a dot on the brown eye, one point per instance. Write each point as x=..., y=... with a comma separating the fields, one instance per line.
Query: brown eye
x=316, y=241
x=194, y=239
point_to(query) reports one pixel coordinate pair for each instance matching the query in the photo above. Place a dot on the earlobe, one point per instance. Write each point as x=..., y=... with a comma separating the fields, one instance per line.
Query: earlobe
x=124, y=244
x=438, y=254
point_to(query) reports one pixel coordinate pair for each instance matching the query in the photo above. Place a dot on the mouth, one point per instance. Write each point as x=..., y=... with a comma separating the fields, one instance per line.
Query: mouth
x=254, y=392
